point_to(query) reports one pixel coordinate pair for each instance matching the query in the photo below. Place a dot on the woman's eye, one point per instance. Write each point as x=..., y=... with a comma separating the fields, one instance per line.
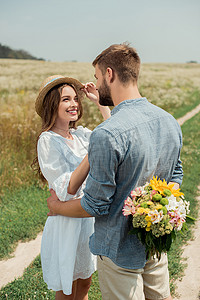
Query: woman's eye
x=68, y=99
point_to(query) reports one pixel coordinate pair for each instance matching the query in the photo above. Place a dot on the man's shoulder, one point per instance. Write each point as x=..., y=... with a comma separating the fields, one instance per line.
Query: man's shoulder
x=103, y=128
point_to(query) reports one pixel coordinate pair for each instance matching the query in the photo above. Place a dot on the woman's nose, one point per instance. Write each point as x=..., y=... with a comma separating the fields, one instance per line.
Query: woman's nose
x=73, y=102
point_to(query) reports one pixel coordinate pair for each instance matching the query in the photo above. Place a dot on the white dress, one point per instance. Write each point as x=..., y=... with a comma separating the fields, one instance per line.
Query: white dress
x=65, y=253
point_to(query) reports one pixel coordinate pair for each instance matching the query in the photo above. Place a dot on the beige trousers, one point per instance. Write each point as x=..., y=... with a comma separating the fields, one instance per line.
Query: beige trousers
x=118, y=283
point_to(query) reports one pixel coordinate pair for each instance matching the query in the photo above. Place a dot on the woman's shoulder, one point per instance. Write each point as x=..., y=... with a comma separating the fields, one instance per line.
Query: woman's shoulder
x=49, y=139
x=45, y=134
x=80, y=130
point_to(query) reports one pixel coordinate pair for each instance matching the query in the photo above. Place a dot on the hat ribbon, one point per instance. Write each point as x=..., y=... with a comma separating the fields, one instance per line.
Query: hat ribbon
x=52, y=80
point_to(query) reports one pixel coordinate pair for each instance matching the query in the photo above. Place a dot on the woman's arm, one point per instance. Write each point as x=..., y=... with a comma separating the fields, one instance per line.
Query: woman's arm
x=93, y=94
x=105, y=111
x=56, y=170
x=78, y=176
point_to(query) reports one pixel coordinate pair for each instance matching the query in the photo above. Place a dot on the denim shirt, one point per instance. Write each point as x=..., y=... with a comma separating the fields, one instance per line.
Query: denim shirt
x=138, y=141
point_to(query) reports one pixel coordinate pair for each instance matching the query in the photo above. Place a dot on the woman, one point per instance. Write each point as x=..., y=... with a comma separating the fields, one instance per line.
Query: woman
x=67, y=263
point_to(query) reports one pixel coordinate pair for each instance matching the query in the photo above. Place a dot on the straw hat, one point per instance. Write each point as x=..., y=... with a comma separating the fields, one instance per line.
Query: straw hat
x=52, y=81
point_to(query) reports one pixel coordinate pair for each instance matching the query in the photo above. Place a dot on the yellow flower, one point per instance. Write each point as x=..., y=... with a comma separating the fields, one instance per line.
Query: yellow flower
x=158, y=206
x=148, y=228
x=148, y=218
x=140, y=210
x=174, y=192
x=146, y=210
x=148, y=224
x=149, y=202
x=160, y=186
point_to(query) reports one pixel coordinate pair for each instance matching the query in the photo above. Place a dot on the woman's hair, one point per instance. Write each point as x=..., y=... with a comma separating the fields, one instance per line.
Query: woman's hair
x=123, y=59
x=50, y=111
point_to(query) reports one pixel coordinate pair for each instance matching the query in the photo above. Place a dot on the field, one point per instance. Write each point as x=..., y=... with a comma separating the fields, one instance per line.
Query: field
x=174, y=87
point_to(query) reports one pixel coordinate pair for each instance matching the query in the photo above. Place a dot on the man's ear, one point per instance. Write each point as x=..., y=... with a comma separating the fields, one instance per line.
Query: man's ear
x=110, y=74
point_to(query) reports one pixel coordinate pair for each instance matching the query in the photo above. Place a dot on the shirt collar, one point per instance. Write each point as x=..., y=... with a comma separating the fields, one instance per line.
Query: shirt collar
x=126, y=102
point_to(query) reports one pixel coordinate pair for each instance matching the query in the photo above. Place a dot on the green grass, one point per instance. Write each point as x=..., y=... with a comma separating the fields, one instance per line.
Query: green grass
x=191, y=166
x=194, y=100
x=22, y=215
x=32, y=286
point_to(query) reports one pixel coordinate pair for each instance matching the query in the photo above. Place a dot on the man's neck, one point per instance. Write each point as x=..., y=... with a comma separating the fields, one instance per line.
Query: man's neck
x=121, y=93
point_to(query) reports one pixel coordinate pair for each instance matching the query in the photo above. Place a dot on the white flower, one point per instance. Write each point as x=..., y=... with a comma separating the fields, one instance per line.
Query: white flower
x=155, y=216
x=187, y=205
x=173, y=204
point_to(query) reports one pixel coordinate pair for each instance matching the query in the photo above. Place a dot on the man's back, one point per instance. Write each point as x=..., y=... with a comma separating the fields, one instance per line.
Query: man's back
x=138, y=142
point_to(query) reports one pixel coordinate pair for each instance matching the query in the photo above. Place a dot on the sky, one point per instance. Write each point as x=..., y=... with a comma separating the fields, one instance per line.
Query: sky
x=67, y=30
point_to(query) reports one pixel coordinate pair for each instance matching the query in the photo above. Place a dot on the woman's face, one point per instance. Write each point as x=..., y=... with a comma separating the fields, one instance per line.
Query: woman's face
x=68, y=106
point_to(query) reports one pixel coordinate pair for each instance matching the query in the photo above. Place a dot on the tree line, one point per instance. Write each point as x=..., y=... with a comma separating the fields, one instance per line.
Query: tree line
x=7, y=52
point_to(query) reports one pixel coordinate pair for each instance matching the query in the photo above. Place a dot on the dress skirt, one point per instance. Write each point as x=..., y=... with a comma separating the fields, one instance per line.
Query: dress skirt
x=65, y=253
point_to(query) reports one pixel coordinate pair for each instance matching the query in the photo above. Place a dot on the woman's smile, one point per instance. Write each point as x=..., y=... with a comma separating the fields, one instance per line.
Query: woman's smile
x=73, y=111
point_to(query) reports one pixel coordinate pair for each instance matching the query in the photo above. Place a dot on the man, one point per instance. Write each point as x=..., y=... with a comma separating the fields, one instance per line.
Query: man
x=137, y=142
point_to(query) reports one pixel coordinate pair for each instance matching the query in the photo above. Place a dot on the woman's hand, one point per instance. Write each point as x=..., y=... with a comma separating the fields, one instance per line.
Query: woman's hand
x=91, y=92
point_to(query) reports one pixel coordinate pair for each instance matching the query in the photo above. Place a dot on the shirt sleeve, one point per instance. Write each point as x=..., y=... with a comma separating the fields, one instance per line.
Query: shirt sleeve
x=100, y=187
x=54, y=166
x=177, y=175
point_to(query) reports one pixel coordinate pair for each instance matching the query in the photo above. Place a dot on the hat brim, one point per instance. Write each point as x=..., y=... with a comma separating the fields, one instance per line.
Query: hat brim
x=42, y=93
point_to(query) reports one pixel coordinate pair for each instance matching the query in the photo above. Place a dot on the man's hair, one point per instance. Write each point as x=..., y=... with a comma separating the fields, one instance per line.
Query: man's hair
x=123, y=59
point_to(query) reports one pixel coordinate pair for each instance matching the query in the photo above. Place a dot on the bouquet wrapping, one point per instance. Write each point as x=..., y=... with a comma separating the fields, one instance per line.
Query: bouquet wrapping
x=158, y=212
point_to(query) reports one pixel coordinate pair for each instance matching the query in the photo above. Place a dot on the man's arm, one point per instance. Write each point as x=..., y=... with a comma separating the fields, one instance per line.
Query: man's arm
x=71, y=208
x=100, y=185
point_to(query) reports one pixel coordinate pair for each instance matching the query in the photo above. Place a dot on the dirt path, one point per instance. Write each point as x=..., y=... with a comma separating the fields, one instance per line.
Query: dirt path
x=189, y=115
x=24, y=254
x=188, y=288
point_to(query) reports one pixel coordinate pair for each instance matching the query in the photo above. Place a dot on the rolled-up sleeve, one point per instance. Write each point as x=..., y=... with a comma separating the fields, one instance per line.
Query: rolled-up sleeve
x=104, y=156
x=177, y=175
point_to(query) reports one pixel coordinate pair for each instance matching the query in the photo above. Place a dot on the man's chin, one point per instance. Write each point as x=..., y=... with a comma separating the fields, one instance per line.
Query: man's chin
x=106, y=102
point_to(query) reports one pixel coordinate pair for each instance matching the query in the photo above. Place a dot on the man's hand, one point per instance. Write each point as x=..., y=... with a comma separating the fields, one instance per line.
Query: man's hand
x=176, y=185
x=52, y=203
x=71, y=208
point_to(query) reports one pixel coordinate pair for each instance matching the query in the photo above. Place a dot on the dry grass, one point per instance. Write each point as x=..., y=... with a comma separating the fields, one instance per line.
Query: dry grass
x=166, y=85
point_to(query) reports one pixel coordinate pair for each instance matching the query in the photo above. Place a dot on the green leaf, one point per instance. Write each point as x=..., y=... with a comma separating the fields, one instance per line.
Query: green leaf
x=168, y=241
x=190, y=219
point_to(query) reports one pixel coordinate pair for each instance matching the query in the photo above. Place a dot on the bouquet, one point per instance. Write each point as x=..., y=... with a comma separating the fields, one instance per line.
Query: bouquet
x=158, y=212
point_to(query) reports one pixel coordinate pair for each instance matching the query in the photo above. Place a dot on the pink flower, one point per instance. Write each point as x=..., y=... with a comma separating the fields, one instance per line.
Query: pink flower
x=176, y=219
x=127, y=210
x=133, y=195
x=139, y=191
x=128, y=201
